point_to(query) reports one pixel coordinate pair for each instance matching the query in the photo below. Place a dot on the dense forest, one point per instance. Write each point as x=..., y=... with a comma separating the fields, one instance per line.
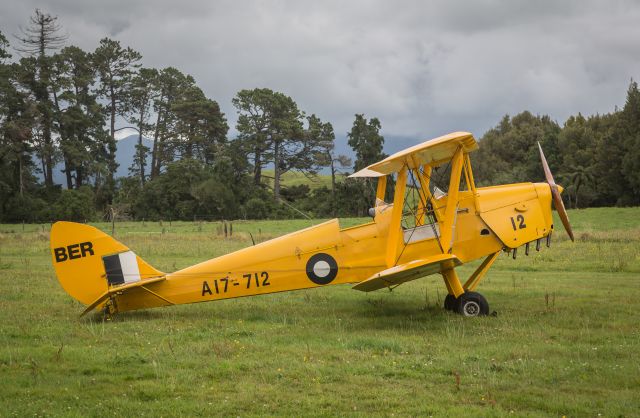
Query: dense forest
x=62, y=105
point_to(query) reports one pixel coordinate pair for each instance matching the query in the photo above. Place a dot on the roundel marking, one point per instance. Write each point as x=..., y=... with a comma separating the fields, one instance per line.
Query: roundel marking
x=322, y=268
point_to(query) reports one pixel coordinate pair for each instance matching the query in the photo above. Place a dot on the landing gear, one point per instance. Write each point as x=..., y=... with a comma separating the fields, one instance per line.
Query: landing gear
x=450, y=303
x=468, y=304
x=472, y=304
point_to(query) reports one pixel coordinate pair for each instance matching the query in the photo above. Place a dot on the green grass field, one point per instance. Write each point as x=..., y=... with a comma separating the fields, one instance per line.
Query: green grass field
x=565, y=341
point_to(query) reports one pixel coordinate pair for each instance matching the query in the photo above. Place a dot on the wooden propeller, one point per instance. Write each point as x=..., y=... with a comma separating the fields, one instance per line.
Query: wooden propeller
x=557, y=200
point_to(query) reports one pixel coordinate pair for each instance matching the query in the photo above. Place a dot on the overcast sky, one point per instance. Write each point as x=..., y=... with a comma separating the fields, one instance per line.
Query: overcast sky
x=424, y=68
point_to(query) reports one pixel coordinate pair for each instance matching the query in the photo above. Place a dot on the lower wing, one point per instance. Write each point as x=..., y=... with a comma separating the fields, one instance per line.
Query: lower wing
x=409, y=271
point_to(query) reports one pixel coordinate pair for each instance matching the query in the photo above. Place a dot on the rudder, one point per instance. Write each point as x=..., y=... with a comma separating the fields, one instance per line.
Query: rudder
x=89, y=262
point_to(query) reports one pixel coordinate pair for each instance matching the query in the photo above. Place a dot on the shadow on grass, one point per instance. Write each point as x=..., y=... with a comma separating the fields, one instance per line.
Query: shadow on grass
x=364, y=314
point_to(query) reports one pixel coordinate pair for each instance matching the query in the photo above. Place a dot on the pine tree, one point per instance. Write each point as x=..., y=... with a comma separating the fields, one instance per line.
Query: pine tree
x=18, y=116
x=254, y=121
x=79, y=116
x=40, y=37
x=366, y=141
x=201, y=127
x=630, y=127
x=143, y=95
x=271, y=128
x=169, y=85
x=323, y=136
x=116, y=67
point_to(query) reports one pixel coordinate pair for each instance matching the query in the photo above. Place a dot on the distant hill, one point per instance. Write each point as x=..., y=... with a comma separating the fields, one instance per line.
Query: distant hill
x=125, y=152
x=124, y=157
x=295, y=178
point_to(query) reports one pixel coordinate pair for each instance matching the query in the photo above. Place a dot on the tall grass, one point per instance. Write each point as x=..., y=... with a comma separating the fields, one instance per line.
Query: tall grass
x=564, y=340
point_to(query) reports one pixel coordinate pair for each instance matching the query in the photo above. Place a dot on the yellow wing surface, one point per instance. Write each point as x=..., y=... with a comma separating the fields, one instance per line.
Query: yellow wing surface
x=435, y=151
x=409, y=271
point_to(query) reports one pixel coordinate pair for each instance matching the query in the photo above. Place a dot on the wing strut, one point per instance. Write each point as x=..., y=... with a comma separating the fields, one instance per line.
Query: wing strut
x=395, y=229
x=452, y=201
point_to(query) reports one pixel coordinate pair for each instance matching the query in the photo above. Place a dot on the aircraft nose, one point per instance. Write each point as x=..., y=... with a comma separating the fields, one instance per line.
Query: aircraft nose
x=560, y=188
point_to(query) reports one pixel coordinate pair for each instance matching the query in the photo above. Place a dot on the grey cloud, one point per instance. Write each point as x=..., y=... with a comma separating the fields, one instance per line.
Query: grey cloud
x=422, y=67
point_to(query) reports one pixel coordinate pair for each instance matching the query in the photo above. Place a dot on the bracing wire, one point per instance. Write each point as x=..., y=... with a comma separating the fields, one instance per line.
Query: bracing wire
x=405, y=243
x=429, y=213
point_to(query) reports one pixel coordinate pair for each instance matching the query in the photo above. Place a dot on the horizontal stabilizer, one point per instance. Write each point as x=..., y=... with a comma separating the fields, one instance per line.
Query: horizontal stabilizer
x=410, y=271
x=119, y=290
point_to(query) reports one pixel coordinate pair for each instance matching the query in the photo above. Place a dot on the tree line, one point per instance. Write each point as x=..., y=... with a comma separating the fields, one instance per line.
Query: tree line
x=595, y=158
x=62, y=105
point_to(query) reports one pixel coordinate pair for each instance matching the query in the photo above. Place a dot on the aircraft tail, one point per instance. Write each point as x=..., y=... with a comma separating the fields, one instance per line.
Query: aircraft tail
x=90, y=264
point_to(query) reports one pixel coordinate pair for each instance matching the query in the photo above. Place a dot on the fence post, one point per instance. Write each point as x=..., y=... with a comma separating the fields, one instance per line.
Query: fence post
x=113, y=221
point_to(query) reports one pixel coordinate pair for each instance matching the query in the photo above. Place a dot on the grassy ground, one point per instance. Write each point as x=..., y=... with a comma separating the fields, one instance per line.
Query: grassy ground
x=565, y=340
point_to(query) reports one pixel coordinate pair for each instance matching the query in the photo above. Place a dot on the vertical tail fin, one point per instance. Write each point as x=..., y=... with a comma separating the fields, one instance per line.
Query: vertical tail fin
x=89, y=262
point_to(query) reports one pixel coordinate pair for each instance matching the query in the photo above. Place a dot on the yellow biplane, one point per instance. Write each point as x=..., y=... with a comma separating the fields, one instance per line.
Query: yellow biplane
x=422, y=231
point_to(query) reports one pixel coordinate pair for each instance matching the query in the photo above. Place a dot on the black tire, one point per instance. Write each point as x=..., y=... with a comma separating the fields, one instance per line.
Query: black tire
x=472, y=304
x=450, y=303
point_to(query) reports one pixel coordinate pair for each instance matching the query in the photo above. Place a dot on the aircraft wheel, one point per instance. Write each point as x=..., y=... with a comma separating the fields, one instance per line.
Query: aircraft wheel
x=472, y=304
x=450, y=303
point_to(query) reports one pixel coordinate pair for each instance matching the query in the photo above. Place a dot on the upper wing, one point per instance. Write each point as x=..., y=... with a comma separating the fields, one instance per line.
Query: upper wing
x=435, y=151
x=409, y=271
